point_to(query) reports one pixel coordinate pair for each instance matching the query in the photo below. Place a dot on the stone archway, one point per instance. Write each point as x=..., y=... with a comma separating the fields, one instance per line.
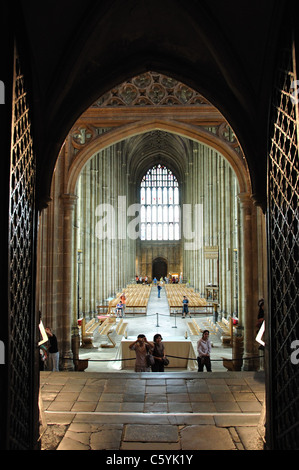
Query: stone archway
x=95, y=131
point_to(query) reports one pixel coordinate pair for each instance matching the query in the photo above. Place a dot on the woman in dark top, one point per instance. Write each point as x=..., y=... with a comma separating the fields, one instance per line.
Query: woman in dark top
x=158, y=353
x=53, y=350
x=261, y=314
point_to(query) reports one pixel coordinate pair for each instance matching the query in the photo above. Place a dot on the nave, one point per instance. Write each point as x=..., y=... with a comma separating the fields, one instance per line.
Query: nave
x=173, y=328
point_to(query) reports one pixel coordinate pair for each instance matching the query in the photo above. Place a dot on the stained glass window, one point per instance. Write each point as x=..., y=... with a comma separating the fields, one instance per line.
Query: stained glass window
x=160, y=210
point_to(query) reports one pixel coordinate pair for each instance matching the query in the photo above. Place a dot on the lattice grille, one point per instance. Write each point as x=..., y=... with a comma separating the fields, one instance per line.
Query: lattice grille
x=283, y=217
x=21, y=229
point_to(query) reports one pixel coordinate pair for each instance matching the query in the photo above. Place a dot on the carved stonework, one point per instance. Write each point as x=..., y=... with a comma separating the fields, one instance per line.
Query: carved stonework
x=225, y=132
x=82, y=135
x=127, y=109
x=151, y=89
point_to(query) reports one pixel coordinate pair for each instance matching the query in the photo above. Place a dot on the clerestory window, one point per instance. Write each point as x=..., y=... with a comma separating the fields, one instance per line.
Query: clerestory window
x=160, y=206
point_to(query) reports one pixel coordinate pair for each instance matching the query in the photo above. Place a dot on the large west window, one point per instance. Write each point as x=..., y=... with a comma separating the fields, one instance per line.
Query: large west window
x=160, y=209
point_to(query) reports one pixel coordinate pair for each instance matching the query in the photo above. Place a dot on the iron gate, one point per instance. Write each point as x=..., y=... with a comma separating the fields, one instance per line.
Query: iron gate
x=283, y=219
x=21, y=349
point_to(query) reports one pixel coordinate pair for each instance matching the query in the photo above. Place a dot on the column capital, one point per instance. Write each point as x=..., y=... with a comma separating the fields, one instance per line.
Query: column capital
x=69, y=201
x=246, y=201
x=245, y=198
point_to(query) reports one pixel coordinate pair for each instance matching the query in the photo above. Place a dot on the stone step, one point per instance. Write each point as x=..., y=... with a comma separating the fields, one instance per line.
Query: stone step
x=152, y=411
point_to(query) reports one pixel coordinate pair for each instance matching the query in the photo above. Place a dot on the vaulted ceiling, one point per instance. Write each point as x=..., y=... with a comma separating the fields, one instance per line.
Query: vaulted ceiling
x=146, y=150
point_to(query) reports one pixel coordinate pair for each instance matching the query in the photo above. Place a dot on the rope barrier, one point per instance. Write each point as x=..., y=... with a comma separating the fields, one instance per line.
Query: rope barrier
x=175, y=357
x=216, y=360
x=140, y=315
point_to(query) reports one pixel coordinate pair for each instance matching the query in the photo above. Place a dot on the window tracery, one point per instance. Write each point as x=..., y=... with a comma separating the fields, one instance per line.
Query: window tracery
x=160, y=209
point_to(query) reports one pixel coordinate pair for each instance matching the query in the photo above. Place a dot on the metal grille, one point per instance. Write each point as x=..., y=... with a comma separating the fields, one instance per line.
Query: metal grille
x=21, y=235
x=283, y=225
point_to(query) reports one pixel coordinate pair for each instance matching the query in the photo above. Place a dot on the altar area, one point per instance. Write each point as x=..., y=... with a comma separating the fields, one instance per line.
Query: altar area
x=180, y=353
x=177, y=338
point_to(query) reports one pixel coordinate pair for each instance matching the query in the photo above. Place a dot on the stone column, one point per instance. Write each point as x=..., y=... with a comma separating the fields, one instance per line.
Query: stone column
x=68, y=205
x=248, y=307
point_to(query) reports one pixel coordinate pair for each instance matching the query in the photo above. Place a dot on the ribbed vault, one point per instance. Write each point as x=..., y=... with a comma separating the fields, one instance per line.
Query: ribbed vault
x=154, y=147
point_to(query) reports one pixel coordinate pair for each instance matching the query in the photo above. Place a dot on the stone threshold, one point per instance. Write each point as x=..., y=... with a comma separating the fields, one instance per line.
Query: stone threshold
x=220, y=419
x=257, y=375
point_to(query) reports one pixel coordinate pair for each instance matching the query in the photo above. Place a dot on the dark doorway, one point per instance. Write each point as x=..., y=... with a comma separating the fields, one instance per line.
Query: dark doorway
x=159, y=268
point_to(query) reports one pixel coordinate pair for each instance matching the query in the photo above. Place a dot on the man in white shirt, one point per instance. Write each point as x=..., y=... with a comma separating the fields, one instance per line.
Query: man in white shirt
x=204, y=351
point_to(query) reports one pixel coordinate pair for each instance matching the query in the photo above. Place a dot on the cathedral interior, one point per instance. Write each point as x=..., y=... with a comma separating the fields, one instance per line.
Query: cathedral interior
x=149, y=141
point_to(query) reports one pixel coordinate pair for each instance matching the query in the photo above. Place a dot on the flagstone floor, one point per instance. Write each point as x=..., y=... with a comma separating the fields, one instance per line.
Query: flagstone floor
x=114, y=409
x=169, y=411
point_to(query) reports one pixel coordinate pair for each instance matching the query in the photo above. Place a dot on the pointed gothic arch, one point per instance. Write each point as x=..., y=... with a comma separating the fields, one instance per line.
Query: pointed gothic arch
x=145, y=103
x=100, y=130
x=119, y=134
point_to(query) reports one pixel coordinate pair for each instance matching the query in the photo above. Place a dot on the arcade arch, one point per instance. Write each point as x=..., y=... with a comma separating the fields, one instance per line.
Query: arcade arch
x=118, y=136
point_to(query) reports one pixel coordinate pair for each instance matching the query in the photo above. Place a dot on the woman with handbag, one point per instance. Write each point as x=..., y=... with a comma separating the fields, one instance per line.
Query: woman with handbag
x=159, y=354
x=204, y=351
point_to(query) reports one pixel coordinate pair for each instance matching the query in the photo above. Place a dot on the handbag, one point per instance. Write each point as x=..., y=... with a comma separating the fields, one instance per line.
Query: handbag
x=150, y=359
x=165, y=361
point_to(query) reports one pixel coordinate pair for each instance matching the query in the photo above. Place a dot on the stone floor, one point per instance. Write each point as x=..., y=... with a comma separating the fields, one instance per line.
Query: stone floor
x=110, y=409
x=146, y=411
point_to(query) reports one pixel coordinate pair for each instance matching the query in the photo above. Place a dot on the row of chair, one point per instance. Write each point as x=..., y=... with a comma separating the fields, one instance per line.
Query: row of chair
x=136, y=296
x=87, y=330
x=106, y=329
x=224, y=328
x=175, y=294
x=194, y=327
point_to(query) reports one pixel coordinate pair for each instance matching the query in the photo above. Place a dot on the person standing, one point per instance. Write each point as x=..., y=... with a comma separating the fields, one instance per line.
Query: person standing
x=158, y=353
x=42, y=356
x=123, y=299
x=261, y=314
x=159, y=290
x=203, y=352
x=53, y=350
x=185, y=307
x=141, y=347
x=119, y=309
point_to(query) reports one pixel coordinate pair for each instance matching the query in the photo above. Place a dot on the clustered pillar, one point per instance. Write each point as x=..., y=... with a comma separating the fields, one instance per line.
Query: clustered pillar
x=108, y=253
x=211, y=183
x=68, y=202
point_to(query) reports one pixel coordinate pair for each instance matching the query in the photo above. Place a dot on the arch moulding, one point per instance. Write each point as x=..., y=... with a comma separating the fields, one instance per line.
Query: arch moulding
x=236, y=160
